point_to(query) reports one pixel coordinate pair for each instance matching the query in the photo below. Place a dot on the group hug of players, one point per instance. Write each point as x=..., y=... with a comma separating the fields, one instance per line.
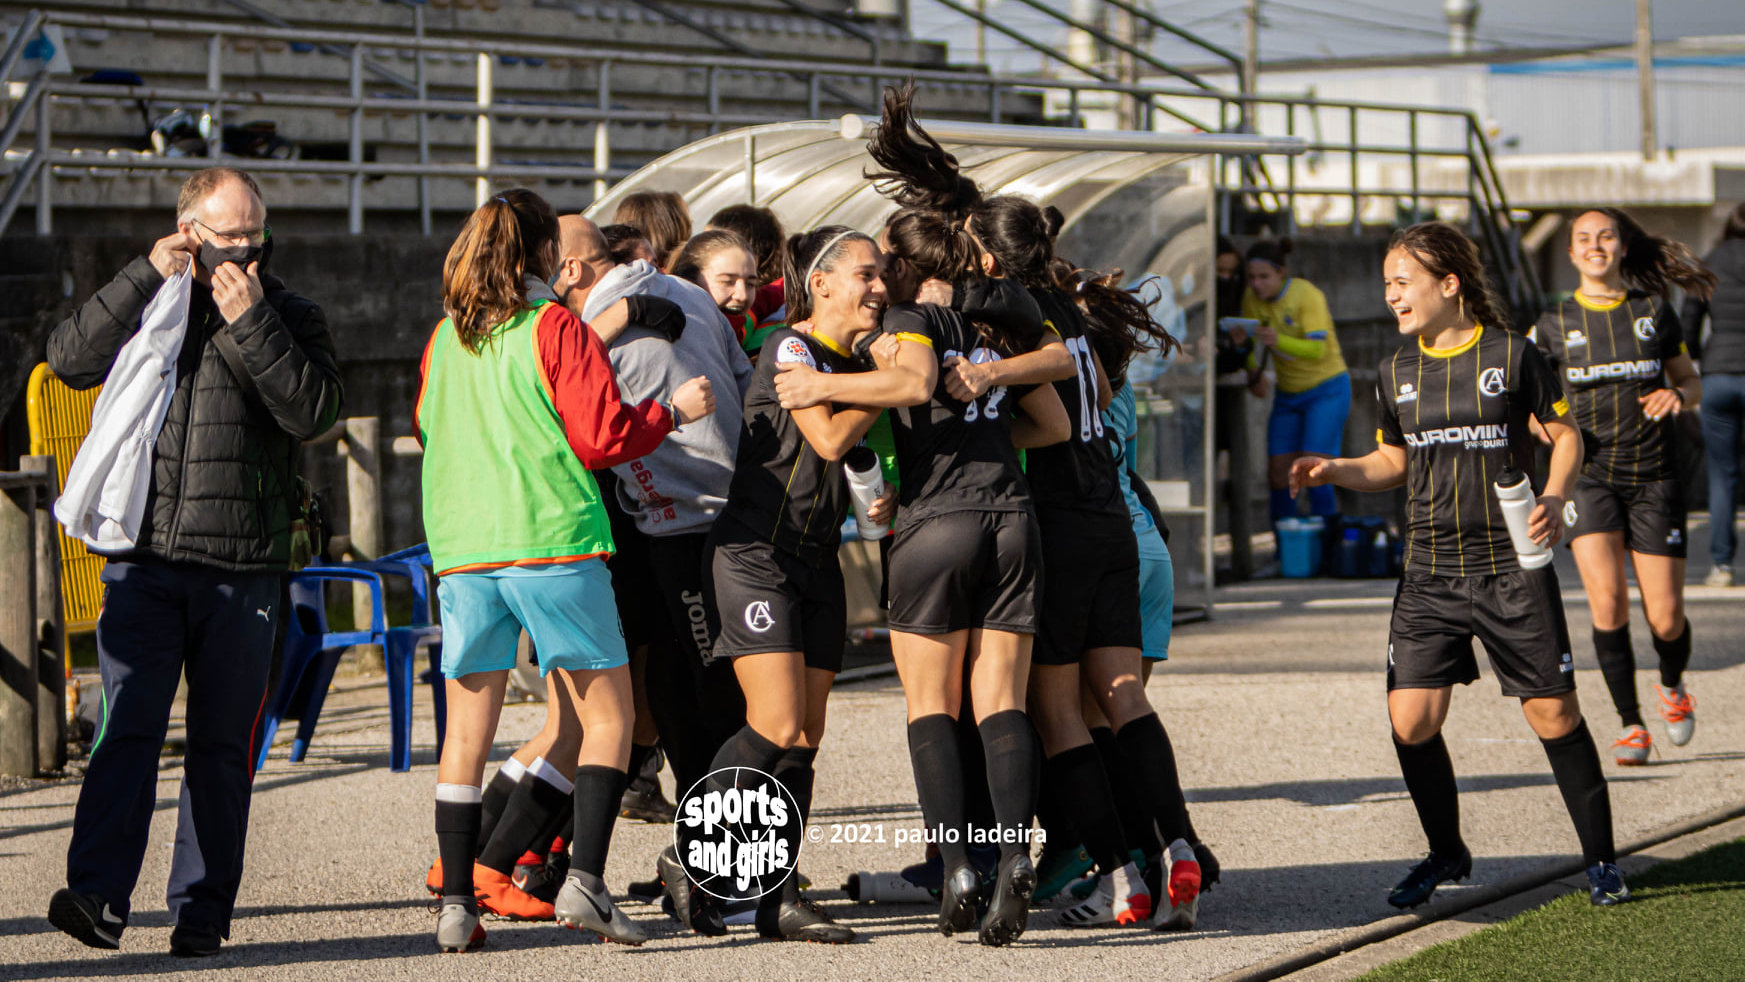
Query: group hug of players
x=1027, y=578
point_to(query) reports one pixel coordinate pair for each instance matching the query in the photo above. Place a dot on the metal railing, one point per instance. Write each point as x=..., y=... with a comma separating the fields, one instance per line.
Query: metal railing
x=1239, y=177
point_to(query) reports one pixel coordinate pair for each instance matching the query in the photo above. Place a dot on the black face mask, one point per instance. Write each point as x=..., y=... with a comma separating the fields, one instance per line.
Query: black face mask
x=213, y=256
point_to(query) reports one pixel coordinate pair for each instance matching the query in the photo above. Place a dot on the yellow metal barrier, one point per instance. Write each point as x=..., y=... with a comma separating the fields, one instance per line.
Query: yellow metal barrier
x=59, y=418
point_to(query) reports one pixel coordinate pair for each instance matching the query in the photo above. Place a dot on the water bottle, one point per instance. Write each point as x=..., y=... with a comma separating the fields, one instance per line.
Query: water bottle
x=885, y=888
x=865, y=483
x=1348, y=545
x=1378, y=555
x=1516, y=496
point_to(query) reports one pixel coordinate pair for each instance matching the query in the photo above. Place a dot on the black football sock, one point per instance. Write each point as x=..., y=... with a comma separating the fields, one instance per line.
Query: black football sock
x=1674, y=656
x=939, y=785
x=1053, y=817
x=1575, y=762
x=1429, y=775
x=1136, y=819
x=1014, y=771
x=639, y=755
x=458, y=811
x=797, y=773
x=538, y=798
x=1078, y=775
x=496, y=795
x=748, y=748
x=1151, y=763
x=978, y=803
x=599, y=791
x=1618, y=665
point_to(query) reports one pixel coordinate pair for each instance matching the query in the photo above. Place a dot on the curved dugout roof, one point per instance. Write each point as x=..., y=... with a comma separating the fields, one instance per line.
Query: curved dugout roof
x=811, y=172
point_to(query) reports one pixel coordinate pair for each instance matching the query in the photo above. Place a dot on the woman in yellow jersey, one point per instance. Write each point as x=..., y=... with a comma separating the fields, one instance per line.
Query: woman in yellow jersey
x=1620, y=348
x=1314, y=389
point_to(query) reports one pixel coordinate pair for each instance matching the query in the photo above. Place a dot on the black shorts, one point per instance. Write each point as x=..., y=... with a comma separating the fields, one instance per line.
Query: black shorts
x=966, y=569
x=1518, y=615
x=1651, y=516
x=680, y=565
x=1090, y=569
x=771, y=601
x=632, y=584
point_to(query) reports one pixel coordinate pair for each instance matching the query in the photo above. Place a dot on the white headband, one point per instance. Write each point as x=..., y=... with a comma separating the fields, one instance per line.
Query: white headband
x=813, y=268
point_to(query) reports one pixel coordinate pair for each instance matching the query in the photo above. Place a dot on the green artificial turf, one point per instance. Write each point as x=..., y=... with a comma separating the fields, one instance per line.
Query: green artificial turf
x=1687, y=922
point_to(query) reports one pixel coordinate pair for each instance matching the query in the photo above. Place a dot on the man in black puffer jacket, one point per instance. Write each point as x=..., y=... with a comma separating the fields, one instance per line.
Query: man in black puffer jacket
x=200, y=590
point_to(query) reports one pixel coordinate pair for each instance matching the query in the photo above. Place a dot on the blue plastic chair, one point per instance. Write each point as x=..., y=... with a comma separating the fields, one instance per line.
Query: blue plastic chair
x=312, y=652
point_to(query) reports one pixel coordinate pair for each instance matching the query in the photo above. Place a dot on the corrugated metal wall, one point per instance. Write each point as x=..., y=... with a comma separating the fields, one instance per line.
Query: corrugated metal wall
x=1570, y=111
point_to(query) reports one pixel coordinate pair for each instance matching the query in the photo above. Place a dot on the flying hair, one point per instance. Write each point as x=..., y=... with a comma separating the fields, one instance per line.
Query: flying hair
x=916, y=171
x=1654, y=263
x=1118, y=321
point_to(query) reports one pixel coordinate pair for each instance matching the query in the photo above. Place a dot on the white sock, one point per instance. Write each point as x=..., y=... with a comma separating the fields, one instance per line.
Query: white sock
x=460, y=794
x=542, y=770
x=512, y=769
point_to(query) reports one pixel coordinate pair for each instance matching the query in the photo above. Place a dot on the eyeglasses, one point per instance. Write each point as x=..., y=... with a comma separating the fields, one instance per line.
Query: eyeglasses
x=245, y=236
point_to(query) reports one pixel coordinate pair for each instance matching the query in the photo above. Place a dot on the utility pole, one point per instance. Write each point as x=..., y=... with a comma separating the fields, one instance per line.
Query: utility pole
x=1250, y=61
x=1645, y=74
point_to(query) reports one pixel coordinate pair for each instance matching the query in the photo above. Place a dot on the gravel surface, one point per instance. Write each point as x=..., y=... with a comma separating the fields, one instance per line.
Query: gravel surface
x=1278, y=720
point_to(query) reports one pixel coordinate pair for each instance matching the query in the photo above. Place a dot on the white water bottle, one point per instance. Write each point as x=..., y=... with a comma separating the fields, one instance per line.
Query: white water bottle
x=865, y=483
x=1516, y=496
x=887, y=888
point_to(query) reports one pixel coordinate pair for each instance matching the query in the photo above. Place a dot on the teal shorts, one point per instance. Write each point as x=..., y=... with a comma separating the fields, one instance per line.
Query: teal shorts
x=567, y=609
x=1156, y=594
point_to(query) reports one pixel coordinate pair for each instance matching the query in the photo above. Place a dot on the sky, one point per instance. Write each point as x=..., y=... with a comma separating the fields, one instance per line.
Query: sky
x=1349, y=28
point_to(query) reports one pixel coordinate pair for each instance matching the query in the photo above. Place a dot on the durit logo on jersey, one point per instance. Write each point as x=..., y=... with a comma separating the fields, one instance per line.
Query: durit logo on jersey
x=1485, y=436
x=1408, y=393
x=1645, y=328
x=1641, y=368
x=1490, y=382
x=1574, y=339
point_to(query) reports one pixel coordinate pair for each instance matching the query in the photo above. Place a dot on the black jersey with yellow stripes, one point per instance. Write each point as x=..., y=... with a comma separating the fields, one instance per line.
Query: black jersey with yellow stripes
x=1609, y=356
x=782, y=491
x=1461, y=415
x=954, y=455
x=1079, y=472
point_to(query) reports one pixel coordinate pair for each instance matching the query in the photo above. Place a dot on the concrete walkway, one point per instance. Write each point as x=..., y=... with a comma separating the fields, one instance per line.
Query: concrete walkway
x=1277, y=715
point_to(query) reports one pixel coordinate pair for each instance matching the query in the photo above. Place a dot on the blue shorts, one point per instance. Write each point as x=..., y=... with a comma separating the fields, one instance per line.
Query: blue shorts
x=1310, y=421
x=567, y=609
x=1156, y=595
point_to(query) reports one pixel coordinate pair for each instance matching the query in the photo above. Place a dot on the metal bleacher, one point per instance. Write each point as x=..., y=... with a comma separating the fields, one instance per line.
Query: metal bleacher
x=560, y=94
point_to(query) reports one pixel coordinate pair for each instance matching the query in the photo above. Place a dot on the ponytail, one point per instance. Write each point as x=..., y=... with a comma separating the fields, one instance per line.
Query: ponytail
x=1653, y=263
x=1444, y=251
x=1019, y=235
x=917, y=171
x=934, y=246
x=484, y=274
x=1118, y=322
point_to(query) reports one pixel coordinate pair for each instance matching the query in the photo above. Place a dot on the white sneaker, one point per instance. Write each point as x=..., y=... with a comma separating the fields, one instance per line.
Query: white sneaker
x=1719, y=576
x=579, y=907
x=457, y=925
x=1631, y=747
x=1678, y=710
x=1120, y=898
x=1179, y=917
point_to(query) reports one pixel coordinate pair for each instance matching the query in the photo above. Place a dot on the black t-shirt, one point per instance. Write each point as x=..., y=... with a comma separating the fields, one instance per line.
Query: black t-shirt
x=1462, y=417
x=953, y=455
x=1608, y=358
x=783, y=492
x=1079, y=473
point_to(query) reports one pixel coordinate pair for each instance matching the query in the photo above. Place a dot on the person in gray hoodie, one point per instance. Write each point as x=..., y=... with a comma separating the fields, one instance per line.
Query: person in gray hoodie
x=674, y=494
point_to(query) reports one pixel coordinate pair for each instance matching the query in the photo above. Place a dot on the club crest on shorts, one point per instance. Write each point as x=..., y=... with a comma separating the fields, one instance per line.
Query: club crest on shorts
x=1569, y=515
x=1675, y=537
x=1645, y=328
x=1490, y=382
x=757, y=616
x=1566, y=665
